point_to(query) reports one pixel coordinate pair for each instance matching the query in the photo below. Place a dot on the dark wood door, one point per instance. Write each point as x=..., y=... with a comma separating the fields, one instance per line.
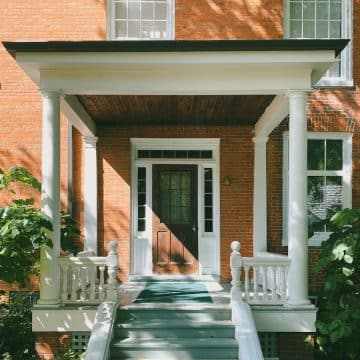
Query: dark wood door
x=175, y=235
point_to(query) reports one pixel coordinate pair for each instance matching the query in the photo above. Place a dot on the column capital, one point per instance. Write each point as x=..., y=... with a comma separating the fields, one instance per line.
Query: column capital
x=90, y=140
x=297, y=93
x=260, y=140
x=51, y=92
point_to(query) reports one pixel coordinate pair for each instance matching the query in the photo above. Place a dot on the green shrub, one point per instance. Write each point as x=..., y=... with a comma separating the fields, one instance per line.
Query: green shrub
x=338, y=320
x=17, y=342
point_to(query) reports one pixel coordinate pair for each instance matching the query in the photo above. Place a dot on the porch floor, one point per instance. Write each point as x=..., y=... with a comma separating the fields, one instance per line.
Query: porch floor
x=157, y=291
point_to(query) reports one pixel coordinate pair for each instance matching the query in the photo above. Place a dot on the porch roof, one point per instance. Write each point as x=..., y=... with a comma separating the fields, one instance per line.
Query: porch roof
x=178, y=45
x=176, y=82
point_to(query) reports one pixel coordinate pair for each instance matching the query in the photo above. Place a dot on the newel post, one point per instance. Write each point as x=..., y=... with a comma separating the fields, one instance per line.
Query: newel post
x=235, y=265
x=112, y=262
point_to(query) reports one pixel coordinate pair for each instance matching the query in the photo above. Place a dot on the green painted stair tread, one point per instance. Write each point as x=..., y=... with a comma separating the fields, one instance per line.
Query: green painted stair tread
x=175, y=324
x=175, y=344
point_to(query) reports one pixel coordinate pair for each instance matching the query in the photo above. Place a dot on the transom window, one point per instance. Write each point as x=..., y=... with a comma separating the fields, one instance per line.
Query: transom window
x=140, y=19
x=323, y=19
x=329, y=180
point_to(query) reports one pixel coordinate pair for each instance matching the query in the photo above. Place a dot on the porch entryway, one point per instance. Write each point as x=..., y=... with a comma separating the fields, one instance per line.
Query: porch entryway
x=175, y=223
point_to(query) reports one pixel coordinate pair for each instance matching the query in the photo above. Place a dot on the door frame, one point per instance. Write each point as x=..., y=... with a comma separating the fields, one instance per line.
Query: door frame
x=141, y=241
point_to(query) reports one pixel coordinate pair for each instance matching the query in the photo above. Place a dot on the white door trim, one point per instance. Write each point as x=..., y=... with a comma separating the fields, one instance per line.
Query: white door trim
x=141, y=242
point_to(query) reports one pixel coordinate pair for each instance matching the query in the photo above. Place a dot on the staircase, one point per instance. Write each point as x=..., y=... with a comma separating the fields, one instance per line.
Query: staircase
x=175, y=331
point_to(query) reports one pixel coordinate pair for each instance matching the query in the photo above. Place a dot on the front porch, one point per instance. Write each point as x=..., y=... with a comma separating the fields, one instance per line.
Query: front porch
x=88, y=81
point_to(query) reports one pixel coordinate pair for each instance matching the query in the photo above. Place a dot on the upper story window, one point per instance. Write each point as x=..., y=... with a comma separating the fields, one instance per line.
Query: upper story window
x=140, y=19
x=323, y=19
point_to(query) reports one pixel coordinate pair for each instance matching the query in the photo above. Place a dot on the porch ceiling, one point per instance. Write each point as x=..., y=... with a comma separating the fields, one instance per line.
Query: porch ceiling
x=175, y=110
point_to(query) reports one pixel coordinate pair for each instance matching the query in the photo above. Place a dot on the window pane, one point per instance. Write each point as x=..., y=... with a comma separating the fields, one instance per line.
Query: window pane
x=316, y=189
x=121, y=28
x=334, y=190
x=208, y=226
x=309, y=10
x=316, y=154
x=335, y=29
x=335, y=10
x=322, y=10
x=161, y=11
x=295, y=10
x=309, y=29
x=134, y=29
x=134, y=10
x=147, y=11
x=322, y=30
x=208, y=199
x=120, y=10
x=295, y=29
x=334, y=155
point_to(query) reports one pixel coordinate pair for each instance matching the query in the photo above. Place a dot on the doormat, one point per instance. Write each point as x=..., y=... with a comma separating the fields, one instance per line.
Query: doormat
x=174, y=292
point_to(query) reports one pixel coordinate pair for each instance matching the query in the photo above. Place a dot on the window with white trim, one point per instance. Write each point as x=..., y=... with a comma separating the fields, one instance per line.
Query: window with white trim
x=323, y=19
x=140, y=19
x=329, y=167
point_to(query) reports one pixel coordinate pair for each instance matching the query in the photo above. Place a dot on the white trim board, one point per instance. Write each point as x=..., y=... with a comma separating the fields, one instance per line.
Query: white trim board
x=208, y=243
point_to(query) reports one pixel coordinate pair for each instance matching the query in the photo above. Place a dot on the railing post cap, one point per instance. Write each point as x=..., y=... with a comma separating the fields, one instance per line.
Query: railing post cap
x=235, y=246
x=113, y=246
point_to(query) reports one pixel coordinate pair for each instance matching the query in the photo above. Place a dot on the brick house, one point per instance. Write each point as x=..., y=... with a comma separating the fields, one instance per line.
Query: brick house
x=225, y=116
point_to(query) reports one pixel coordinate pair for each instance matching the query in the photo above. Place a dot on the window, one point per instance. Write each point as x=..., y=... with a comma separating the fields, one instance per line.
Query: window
x=329, y=180
x=323, y=19
x=208, y=200
x=140, y=19
x=141, y=194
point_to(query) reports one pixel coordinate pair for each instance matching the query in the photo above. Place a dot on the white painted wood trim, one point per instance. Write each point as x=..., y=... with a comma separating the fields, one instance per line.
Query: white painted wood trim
x=141, y=242
x=78, y=116
x=273, y=115
x=90, y=194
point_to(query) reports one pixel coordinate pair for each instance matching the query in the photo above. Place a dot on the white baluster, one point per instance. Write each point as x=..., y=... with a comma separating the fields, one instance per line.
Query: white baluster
x=256, y=284
x=92, y=275
x=83, y=271
x=247, y=294
x=112, y=262
x=283, y=282
x=235, y=265
x=65, y=282
x=265, y=286
x=74, y=282
x=101, y=284
x=273, y=282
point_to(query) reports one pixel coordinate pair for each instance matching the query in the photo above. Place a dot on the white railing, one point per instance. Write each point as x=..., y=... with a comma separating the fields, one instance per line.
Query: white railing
x=89, y=279
x=264, y=278
x=102, y=333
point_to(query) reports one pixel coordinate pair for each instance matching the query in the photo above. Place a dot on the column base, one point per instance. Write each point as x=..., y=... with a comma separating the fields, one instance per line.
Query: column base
x=56, y=303
x=299, y=304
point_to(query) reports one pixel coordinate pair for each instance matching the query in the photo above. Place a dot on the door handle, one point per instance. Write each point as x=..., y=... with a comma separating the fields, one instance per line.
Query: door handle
x=194, y=228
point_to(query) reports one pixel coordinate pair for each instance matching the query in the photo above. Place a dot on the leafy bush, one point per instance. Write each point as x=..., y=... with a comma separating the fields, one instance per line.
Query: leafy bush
x=17, y=342
x=23, y=229
x=338, y=321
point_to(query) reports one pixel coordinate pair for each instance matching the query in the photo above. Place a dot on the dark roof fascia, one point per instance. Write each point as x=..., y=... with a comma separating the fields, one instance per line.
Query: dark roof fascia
x=178, y=45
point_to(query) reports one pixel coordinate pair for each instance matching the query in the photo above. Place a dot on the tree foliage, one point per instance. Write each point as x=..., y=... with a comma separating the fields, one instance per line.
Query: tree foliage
x=23, y=229
x=338, y=321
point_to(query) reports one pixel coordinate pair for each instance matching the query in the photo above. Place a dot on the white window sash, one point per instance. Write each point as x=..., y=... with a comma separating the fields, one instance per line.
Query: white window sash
x=110, y=23
x=345, y=173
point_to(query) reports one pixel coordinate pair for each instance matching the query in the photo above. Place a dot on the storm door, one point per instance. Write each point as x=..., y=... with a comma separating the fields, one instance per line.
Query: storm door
x=175, y=235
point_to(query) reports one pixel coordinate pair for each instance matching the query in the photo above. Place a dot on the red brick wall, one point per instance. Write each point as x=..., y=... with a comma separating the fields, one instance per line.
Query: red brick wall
x=236, y=199
x=228, y=19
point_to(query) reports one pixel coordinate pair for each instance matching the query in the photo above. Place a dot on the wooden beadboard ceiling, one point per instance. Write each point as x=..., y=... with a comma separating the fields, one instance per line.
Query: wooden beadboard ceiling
x=175, y=110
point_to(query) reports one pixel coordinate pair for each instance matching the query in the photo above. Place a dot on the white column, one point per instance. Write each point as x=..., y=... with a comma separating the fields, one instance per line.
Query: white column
x=50, y=198
x=90, y=194
x=297, y=209
x=260, y=206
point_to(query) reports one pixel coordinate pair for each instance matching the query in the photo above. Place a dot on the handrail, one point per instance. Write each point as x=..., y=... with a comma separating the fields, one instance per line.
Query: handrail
x=265, y=277
x=89, y=279
x=101, y=335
